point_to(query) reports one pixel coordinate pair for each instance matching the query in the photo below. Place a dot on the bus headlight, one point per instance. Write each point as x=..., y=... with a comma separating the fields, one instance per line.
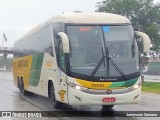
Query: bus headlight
x=77, y=87
x=137, y=84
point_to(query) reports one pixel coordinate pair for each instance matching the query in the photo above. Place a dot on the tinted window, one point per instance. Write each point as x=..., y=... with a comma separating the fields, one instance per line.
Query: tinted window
x=38, y=42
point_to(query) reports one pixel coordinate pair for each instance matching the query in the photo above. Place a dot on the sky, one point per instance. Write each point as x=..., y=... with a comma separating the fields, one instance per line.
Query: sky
x=19, y=16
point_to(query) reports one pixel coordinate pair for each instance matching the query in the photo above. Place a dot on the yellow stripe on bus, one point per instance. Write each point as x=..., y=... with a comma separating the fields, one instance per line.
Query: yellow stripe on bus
x=22, y=67
x=93, y=85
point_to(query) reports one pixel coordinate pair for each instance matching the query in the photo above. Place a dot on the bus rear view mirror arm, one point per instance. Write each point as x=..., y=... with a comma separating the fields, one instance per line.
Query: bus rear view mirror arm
x=65, y=42
x=146, y=40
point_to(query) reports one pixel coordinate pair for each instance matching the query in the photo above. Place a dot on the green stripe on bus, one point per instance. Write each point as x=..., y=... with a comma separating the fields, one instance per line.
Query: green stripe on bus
x=127, y=83
x=130, y=83
x=117, y=84
x=36, y=69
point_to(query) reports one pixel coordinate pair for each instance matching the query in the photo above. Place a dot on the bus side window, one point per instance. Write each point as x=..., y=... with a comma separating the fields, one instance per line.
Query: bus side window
x=61, y=57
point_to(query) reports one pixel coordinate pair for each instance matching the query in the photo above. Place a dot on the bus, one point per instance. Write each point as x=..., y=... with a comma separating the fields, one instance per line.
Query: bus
x=81, y=59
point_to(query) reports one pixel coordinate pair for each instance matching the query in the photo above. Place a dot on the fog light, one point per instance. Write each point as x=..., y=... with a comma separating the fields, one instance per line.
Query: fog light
x=78, y=98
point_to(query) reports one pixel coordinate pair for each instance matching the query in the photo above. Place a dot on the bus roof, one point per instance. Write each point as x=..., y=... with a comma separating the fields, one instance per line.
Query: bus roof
x=83, y=18
x=90, y=18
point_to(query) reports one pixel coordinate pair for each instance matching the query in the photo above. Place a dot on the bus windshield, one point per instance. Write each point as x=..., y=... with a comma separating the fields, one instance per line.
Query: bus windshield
x=102, y=51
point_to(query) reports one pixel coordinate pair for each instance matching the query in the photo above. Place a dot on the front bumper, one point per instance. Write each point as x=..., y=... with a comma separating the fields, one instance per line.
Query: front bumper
x=77, y=97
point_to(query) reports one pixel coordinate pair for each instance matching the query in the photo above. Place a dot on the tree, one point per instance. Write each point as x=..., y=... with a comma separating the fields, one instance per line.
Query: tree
x=144, y=15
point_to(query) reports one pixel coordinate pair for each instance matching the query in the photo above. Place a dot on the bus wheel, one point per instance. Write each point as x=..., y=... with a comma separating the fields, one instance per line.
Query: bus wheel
x=51, y=92
x=18, y=83
x=21, y=87
x=106, y=107
x=22, y=90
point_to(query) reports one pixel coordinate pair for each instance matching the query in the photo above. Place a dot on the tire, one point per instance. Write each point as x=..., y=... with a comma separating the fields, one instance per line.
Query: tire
x=107, y=107
x=22, y=90
x=51, y=93
x=21, y=87
x=18, y=83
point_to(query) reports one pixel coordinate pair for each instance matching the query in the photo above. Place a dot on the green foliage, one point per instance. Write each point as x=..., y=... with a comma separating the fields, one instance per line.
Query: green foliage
x=151, y=87
x=144, y=15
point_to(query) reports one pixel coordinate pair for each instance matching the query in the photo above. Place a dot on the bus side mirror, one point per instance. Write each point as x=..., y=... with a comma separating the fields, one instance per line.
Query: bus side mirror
x=146, y=40
x=65, y=42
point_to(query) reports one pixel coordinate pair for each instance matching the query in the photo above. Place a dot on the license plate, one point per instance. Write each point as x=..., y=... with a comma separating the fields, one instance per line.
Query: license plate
x=109, y=99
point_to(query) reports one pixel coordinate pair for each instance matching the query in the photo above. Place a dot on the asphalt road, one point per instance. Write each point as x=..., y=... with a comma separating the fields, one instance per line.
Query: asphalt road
x=12, y=100
x=151, y=78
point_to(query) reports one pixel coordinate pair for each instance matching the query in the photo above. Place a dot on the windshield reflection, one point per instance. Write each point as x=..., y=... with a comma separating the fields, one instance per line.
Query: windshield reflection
x=89, y=47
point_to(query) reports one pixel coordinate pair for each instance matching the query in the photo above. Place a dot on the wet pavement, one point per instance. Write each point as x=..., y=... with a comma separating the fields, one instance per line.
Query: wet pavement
x=12, y=100
x=151, y=78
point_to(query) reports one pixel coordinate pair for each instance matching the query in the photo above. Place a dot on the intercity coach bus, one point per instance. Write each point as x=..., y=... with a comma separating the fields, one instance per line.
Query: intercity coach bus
x=81, y=59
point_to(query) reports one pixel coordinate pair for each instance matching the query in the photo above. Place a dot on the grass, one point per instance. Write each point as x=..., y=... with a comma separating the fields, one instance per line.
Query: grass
x=151, y=87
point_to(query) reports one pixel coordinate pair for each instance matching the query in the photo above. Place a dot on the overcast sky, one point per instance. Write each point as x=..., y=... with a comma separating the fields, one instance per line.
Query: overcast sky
x=19, y=16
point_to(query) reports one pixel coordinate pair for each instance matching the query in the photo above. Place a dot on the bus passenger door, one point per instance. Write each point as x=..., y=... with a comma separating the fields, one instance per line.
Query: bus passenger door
x=62, y=77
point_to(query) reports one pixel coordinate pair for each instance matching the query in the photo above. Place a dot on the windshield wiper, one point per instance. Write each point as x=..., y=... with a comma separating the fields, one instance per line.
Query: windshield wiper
x=114, y=65
x=99, y=63
x=118, y=69
x=98, y=66
x=107, y=61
